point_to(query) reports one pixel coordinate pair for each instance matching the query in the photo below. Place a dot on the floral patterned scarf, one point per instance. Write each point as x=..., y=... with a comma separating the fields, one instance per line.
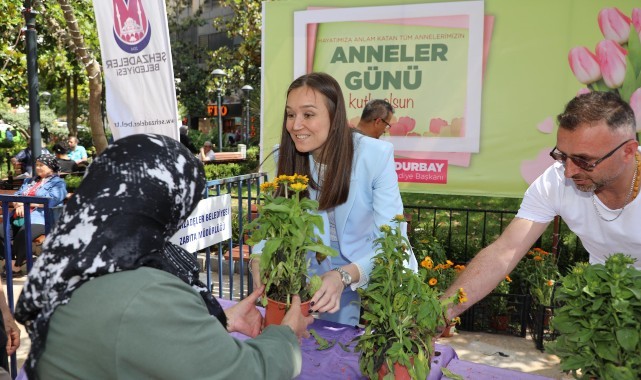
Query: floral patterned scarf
x=130, y=203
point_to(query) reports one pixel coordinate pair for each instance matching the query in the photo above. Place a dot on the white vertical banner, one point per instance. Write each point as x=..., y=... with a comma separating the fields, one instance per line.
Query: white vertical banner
x=136, y=60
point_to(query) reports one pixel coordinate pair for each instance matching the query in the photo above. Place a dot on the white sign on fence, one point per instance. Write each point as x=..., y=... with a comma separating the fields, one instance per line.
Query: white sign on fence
x=210, y=223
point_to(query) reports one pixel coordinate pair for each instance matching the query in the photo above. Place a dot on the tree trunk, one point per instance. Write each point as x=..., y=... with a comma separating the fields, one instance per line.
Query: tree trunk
x=93, y=73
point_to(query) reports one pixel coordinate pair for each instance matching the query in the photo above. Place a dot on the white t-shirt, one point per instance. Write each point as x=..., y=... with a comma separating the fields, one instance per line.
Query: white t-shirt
x=552, y=194
x=210, y=156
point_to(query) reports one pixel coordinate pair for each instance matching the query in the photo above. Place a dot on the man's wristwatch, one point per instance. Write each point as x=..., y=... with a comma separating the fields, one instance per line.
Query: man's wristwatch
x=345, y=277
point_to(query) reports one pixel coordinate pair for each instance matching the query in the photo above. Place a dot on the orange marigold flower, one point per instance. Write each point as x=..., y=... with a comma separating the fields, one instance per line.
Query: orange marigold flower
x=427, y=263
x=433, y=281
x=449, y=263
x=508, y=279
x=550, y=282
x=538, y=258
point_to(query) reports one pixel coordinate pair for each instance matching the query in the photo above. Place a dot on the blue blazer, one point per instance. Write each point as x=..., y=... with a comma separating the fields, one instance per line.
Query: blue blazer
x=374, y=199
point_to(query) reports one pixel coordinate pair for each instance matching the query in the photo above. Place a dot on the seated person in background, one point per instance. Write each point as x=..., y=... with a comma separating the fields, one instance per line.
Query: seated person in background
x=66, y=164
x=46, y=183
x=77, y=152
x=207, y=152
x=22, y=160
x=376, y=118
x=185, y=140
x=111, y=298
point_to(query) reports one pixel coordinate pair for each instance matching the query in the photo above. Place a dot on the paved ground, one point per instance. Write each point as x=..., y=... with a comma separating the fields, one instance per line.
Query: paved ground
x=519, y=354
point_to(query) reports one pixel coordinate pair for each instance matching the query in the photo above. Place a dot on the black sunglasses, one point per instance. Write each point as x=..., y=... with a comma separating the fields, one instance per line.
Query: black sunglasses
x=581, y=163
x=386, y=123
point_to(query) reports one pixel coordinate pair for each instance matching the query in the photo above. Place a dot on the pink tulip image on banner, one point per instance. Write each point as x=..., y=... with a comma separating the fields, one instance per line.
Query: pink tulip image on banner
x=636, y=20
x=614, y=25
x=635, y=103
x=403, y=126
x=584, y=65
x=611, y=57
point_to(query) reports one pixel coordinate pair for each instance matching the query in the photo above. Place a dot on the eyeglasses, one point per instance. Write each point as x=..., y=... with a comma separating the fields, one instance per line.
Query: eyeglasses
x=581, y=163
x=388, y=126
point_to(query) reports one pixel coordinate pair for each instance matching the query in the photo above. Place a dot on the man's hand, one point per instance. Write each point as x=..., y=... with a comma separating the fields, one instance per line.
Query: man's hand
x=244, y=317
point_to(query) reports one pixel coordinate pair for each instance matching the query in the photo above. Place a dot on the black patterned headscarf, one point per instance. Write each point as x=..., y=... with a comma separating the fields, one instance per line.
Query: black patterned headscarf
x=131, y=201
x=50, y=161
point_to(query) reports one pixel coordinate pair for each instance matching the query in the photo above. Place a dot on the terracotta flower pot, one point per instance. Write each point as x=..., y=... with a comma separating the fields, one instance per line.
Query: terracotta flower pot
x=448, y=332
x=500, y=322
x=275, y=311
x=400, y=371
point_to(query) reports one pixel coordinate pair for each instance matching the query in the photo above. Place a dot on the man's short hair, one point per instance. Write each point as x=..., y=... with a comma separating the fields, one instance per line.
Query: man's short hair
x=597, y=106
x=376, y=109
x=207, y=143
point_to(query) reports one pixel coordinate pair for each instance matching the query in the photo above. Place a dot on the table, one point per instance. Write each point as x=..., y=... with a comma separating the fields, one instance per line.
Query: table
x=337, y=363
x=477, y=371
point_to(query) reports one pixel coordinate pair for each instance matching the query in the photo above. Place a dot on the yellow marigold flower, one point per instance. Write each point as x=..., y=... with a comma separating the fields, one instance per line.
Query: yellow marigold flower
x=267, y=187
x=298, y=187
x=301, y=178
x=459, y=268
x=462, y=296
x=550, y=282
x=449, y=263
x=399, y=218
x=508, y=279
x=538, y=258
x=385, y=228
x=433, y=281
x=283, y=178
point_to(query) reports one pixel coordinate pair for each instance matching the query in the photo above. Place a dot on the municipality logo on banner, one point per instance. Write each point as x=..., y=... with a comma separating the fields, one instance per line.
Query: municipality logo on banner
x=137, y=66
x=132, y=31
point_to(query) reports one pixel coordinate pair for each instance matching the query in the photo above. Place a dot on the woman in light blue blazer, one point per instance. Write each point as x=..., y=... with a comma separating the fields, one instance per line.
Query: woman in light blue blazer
x=354, y=180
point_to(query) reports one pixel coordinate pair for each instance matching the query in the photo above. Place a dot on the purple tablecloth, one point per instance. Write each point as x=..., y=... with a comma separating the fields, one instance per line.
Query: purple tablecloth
x=469, y=370
x=339, y=363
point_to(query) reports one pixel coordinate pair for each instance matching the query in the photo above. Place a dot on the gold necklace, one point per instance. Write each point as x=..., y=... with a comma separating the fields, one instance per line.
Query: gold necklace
x=634, y=191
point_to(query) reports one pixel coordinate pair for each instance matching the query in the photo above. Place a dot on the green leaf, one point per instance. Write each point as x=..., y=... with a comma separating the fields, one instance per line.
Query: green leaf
x=628, y=338
x=606, y=350
x=451, y=374
x=634, y=51
x=630, y=80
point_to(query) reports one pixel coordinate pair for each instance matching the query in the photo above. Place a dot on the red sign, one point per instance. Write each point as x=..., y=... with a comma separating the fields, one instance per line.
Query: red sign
x=421, y=170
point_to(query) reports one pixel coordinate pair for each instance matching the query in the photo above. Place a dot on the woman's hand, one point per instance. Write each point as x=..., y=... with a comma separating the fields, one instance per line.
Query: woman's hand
x=244, y=317
x=19, y=210
x=328, y=298
x=13, y=335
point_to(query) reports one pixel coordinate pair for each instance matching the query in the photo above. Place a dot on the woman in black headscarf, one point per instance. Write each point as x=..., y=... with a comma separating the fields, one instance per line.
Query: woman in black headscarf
x=144, y=312
x=46, y=183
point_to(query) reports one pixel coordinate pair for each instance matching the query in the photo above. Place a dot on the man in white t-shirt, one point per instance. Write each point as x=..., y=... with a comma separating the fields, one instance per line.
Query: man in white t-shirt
x=206, y=152
x=593, y=186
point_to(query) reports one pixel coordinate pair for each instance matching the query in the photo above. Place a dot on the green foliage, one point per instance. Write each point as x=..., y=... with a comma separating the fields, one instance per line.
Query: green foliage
x=219, y=171
x=600, y=320
x=402, y=313
x=287, y=226
x=498, y=305
x=539, y=271
x=72, y=181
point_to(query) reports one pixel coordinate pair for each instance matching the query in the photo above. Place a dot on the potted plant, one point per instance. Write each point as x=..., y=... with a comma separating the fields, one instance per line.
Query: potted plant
x=439, y=275
x=500, y=319
x=402, y=313
x=600, y=320
x=287, y=224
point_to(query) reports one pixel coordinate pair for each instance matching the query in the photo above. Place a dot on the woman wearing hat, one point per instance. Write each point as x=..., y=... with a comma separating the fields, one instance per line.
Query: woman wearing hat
x=46, y=183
